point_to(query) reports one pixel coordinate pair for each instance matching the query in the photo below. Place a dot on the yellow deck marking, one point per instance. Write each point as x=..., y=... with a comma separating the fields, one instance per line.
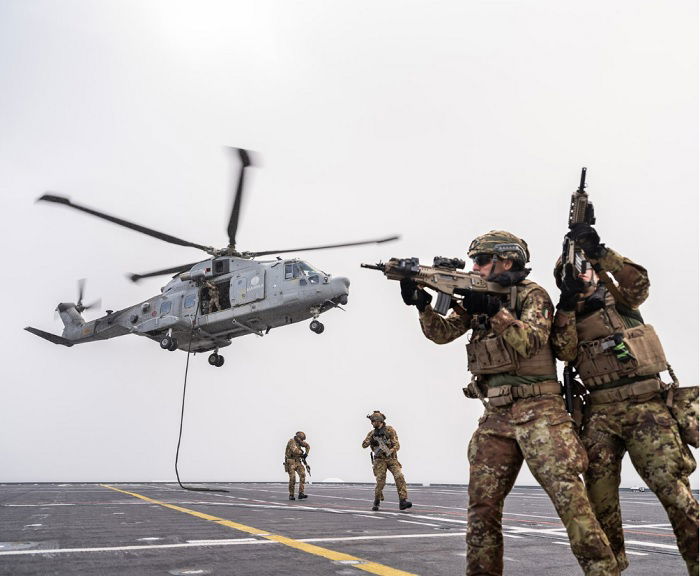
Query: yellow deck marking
x=371, y=567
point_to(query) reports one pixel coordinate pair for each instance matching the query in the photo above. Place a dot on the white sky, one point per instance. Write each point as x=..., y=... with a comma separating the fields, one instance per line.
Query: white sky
x=435, y=120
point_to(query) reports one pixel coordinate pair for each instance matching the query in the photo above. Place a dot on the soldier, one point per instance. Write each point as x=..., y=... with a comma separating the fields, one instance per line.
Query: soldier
x=514, y=375
x=293, y=456
x=384, y=442
x=599, y=329
x=213, y=292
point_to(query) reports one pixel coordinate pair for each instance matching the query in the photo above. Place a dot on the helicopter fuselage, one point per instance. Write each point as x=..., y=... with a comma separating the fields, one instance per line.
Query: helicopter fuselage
x=253, y=297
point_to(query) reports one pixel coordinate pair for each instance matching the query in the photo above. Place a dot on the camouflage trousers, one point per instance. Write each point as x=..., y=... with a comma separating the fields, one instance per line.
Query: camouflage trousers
x=649, y=433
x=380, y=467
x=539, y=431
x=296, y=467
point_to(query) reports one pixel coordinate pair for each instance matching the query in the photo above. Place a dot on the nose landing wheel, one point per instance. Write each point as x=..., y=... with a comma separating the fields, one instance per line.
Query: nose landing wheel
x=316, y=326
x=216, y=360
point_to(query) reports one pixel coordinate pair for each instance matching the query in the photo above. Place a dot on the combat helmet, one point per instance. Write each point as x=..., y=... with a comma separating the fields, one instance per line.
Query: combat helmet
x=502, y=244
x=300, y=435
x=376, y=416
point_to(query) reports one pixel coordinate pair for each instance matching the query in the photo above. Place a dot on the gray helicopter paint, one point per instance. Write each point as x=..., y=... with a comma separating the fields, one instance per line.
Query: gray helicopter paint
x=262, y=295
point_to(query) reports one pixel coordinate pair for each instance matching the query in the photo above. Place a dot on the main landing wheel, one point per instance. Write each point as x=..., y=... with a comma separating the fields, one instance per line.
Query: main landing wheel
x=166, y=342
x=216, y=360
x=316, y=326
x=173, y=344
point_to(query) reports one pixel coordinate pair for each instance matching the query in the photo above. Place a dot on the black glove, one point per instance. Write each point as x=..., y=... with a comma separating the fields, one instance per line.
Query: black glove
x=571, y=289
x=481, y=303
x=414, y=296
x=587, y=238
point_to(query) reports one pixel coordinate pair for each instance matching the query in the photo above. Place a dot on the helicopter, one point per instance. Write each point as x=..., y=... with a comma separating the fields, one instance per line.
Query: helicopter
x=208, y=303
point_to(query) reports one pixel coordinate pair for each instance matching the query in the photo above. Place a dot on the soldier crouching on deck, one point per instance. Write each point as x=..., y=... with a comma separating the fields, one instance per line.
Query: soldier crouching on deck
x=384, y=442
x=598, y=328
x=293, y=455
x=510, y=357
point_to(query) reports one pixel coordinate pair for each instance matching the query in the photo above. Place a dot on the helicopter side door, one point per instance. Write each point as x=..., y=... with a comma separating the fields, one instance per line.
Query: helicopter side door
x=247, y=286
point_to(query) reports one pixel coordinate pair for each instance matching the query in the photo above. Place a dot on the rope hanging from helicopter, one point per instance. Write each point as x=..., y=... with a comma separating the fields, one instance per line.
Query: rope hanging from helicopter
x=182, y=415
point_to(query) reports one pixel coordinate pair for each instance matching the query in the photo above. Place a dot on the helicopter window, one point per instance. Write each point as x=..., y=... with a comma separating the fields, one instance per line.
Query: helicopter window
x=165, y=307
x=293, y=270
x=314, y=279
x=189, y=300
x=307, y=269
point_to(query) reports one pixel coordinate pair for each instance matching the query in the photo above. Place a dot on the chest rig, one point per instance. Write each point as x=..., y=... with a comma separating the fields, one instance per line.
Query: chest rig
x=609, y=349
x=489, y=353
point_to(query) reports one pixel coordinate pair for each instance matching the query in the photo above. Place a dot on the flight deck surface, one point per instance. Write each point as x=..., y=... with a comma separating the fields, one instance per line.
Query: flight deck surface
x=253, y=529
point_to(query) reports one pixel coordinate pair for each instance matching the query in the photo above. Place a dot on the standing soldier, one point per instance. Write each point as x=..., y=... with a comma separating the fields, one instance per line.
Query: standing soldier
x=293, y=456
x=514, y=374
x=384, y=442
x=213, y=292
x=599, y=329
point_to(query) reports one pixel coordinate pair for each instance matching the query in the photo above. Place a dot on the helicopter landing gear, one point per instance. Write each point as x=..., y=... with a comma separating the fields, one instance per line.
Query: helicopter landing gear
x=167, y=342
x=216, y=359
x=316, y=326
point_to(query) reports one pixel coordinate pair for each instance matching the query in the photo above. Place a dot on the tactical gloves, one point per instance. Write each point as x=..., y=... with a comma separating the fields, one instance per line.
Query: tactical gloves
x=414, y=296
x=479, y=302
x=587, y=238
x=571, y=289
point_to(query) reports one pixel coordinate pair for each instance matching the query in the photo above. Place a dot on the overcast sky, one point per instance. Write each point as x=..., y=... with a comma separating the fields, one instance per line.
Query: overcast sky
x=434, y=120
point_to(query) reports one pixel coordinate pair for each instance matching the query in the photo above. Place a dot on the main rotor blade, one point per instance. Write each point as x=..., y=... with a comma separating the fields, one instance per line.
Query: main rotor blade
x=379, y=241
x=236, y=210
x=148, y=231
x=173, y=270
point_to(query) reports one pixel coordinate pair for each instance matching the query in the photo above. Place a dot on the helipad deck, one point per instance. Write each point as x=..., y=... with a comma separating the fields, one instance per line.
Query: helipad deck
x=253, y=529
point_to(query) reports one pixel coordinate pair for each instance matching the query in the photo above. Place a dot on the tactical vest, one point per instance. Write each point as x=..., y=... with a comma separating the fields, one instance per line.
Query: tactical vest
x=601, y=333
x=381, y=438
x=488, y=353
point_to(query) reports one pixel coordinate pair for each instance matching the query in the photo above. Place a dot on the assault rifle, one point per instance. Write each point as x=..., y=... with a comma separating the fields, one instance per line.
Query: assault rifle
x=444, y=276
x=573, y=261
x=306, y=464
x=379, y=447
x=580, y=211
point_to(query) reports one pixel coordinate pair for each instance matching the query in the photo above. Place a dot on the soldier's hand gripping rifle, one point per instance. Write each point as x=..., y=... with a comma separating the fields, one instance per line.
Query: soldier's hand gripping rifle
x=444, y=276
x=306, y=464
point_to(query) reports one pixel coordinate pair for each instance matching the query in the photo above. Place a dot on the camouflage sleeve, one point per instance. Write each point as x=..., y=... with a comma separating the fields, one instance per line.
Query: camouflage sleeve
x=442, y=330
x=394, y=438
x=367, y=439
x=529, y=333
x=289, y=450
x=307, y=447
x=632, y=279
x=564, y=336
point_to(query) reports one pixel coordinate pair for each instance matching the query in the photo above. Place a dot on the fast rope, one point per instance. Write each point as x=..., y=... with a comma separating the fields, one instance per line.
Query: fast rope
x=182, y=417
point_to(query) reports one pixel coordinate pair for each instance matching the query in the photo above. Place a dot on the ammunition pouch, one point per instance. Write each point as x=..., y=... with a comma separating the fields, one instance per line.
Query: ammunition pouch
x=597, y=363
x=492, y=355
x=636, y=391
x=684, y=408
x=505, y=395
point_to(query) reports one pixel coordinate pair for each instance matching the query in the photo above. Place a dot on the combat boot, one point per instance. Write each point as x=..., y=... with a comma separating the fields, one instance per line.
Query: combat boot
x=291, y=497
x=375, y=506
x=403, y=504
x=302, y=496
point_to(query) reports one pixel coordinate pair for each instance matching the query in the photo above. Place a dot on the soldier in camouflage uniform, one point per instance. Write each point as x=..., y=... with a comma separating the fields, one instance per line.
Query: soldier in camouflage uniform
x=599, y=329
x=514, y=374
x=293, y=463
x=384, y=442
x=213, y=292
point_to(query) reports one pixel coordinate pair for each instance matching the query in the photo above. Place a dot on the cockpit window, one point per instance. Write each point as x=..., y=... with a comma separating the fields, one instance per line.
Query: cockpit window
x=314, y=279
x=298, y=269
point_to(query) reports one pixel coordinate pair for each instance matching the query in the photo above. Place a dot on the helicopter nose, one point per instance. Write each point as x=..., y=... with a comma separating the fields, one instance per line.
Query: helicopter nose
x=340, y=287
